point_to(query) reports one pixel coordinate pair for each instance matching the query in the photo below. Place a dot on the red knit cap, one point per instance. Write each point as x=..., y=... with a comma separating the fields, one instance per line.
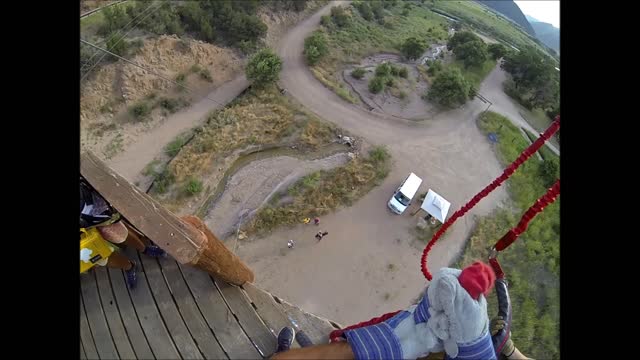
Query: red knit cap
x=477, y=278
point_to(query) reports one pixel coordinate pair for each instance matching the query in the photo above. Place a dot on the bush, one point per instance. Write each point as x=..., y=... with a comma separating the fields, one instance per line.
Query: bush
x=264, y=67
x=140, y=110
x=383, y=69
x=339, y=16
x=315, y=47
x=358, y=73
x=325, y=20
x=247, y=47
x=379, y=154
x=193, y=186
x=376, y=84
x=395, y=71
x=163, y=180
x=117, y=45
x=413, y=47
x=403, y=72
x=549, y=172
x=390, y=82
x=171, y=104
x=115, y=18
x=205, y=74
x=173, y=148
x=180, y=78
x=435, y=66
x=364, y=9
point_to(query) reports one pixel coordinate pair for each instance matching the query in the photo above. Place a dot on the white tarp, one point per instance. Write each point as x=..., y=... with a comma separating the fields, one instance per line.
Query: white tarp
x=436, y=205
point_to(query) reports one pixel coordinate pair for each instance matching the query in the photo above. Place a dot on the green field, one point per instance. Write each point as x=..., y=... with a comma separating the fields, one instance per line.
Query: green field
x=487, y=22
x=532, y=263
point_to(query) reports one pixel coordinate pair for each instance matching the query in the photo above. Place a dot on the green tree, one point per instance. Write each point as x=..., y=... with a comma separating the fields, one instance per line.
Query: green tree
x=117, y=44
x=115, y=18
x=497, y=50
x=413, y=47
x=461, y=37
x=528, y=67
x=449, y=88
x=264, y=67
x=315, y=47
x=472, y=53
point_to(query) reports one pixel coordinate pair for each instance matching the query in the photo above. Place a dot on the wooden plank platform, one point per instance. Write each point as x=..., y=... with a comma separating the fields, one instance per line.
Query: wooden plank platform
x=180, y=312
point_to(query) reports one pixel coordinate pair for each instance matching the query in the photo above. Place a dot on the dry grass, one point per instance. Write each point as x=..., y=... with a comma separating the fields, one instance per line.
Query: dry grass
x=327, y=80
x=324, y=191
x=260, y=118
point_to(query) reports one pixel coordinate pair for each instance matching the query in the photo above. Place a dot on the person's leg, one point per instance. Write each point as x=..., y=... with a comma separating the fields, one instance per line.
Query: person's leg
x=339, y=350
x=134, y=240
x=142, y=243
x=118, y=260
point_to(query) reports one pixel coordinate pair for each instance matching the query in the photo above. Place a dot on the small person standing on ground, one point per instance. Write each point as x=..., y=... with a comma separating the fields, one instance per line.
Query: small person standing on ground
x=290, y=244
x=316, y=221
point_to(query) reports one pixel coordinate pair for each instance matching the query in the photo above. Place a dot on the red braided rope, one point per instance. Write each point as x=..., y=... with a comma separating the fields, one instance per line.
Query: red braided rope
x=535, y=209
x=535, y=146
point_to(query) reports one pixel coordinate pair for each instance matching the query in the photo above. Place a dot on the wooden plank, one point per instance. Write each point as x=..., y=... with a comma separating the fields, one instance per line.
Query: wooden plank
x=202, y=334
x=110, y=308
x=128, y=315
x=316, y=329
x=152, y=324
x=86, y=339
x=95, y=316
x=218, y=316
x=179, y=239
x=172, y=319
x=241, y=307
x=268, y=309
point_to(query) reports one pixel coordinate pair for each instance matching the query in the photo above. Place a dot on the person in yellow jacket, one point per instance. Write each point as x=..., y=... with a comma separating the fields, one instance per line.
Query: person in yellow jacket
x=103, y=232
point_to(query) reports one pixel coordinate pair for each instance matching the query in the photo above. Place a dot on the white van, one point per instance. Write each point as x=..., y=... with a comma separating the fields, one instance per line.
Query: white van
x=401, y=198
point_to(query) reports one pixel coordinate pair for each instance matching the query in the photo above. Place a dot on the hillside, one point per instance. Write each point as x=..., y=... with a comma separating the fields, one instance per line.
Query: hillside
x=511, y=11
x=548, y=34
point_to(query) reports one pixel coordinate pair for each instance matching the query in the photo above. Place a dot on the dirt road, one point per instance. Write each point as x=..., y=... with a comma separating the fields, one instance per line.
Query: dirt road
x=346, y=276
x=491, y=89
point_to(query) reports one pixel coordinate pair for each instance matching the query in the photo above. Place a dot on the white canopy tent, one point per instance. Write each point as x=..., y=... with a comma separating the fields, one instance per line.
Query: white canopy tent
x=436, y=205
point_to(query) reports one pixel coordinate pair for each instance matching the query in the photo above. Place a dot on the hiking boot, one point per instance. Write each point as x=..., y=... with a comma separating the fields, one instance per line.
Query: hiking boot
x=154, y=251
x=303, y=339
x=285, y=339
x=132, y=277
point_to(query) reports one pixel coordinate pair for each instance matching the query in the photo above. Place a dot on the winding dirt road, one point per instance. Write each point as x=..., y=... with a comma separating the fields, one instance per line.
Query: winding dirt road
x=347, y=277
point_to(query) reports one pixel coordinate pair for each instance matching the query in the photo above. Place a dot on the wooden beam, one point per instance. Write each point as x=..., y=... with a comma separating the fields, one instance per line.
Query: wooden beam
x=182, y=240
